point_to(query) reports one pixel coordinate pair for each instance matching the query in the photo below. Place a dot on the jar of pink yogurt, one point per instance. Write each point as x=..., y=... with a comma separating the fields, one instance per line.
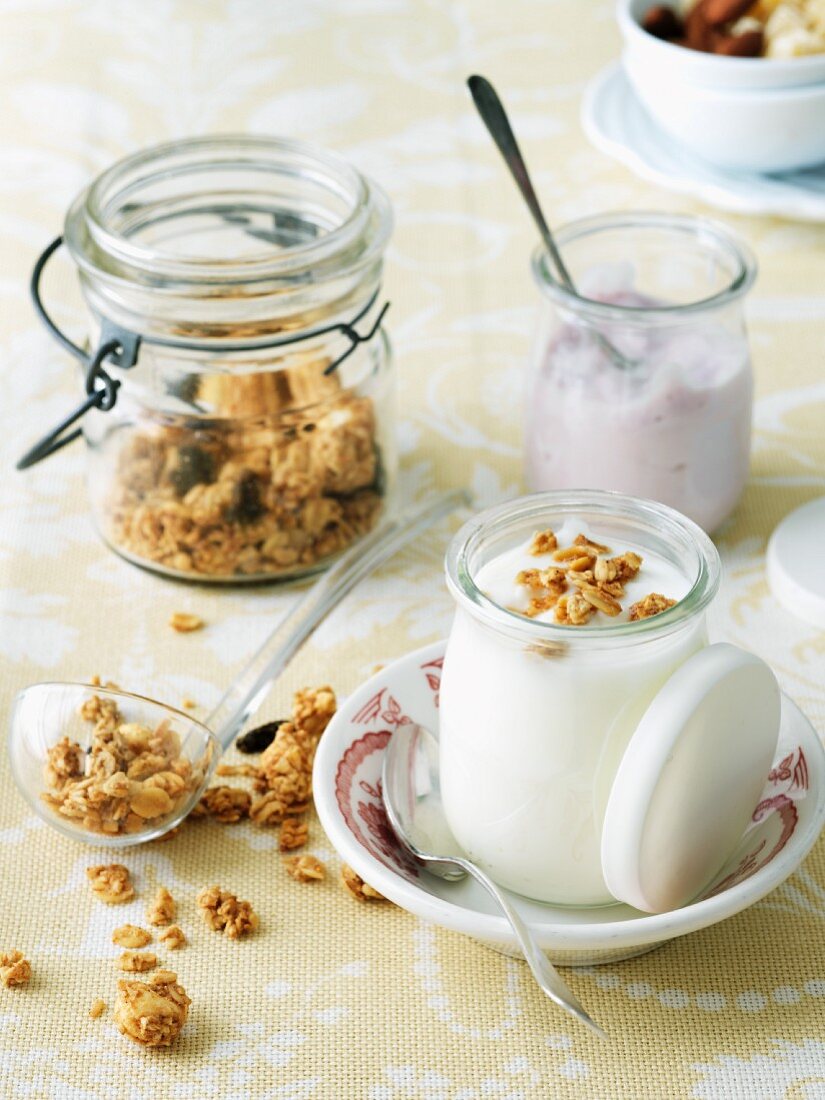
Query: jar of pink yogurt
x=669, y=418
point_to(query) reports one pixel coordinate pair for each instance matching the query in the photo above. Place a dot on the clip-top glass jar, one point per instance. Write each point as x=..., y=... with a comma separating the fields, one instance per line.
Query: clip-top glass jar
x=253, y=435
x=535, y=716
x=641, y=380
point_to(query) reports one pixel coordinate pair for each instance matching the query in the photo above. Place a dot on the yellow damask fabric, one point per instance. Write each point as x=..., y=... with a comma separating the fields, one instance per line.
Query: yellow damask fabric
x=331, y=998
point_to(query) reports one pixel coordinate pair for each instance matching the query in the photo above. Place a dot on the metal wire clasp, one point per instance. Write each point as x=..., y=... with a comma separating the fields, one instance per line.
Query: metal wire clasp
x=120, y=347
x=100, y=397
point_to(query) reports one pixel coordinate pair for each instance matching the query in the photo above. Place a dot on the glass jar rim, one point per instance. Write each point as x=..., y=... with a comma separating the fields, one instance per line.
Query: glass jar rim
x=703, y=229
x=368, y=221
x=535, y=506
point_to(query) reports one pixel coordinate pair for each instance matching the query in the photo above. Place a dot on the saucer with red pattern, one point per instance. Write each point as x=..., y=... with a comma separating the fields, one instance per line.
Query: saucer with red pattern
x=347, y=791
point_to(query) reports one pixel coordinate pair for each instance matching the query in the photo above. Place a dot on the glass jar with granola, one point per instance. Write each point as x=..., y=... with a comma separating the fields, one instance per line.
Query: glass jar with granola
x=234, y=290
x=573, y=610
x=641, y=382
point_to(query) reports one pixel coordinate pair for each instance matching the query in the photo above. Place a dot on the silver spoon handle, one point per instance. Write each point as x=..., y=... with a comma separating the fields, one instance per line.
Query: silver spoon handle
x=249, y=688
x=495, y=118
x=543, y=970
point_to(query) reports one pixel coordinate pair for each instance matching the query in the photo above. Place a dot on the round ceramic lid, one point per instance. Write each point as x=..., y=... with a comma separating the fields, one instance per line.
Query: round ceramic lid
x=690, y=779
x=794, y=567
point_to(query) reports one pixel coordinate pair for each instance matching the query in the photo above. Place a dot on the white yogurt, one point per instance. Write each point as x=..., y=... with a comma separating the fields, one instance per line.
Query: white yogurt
x=531, y=739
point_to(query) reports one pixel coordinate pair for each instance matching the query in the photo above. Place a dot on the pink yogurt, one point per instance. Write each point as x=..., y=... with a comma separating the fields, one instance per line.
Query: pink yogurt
x=674, y=428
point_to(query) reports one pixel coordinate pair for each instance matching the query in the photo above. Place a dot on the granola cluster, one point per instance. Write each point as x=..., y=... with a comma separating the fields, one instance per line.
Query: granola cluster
x=163, y=908
x=282, y=779
x=130, y=776
x=285, y=473
x=173, y=937
x=226, y=804
x=152, y=1013
x=305, y=868
x=137, y=962
x=111, y=882
x=356, y=887
x=583, y=581
x=223, y=912
x=130, y=935
x=15, y=969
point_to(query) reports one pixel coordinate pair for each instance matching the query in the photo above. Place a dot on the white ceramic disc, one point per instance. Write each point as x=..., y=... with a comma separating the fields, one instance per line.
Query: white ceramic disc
x=690, y=779
x=795, y=563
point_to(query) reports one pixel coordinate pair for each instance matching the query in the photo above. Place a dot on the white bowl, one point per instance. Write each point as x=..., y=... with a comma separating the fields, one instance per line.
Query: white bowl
x=753, y=114
x=347, y=793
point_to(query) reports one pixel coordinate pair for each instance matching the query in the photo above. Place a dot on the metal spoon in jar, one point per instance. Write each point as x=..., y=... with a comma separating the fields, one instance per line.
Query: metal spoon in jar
x=61, y=767
x=412, y=799
x=489, y=106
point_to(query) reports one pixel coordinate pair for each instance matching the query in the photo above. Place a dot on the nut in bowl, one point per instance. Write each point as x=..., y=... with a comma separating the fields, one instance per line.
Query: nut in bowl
x=748, y=113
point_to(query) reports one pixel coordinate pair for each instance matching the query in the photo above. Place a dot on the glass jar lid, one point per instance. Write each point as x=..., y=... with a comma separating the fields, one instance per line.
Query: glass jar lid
x=210, y=233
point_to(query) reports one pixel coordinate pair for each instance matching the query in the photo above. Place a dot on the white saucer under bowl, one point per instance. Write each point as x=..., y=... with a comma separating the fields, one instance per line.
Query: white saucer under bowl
x=347, y=792
x=616, y=123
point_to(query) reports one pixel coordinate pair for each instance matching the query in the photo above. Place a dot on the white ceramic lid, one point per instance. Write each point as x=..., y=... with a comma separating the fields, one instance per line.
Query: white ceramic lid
x=795, y=571
x=690, y=779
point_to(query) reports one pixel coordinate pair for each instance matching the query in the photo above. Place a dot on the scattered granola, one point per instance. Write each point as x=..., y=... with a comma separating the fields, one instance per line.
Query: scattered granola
x=356, y=886
x=185, y=623
x=111, y=883
x=137, y=962
x=653, y=604
x=225, y=804
x=163, y=909
x=152, y=1013
x=189, y=704
x=97, y=1009
x=129, y=777
x=305, y=868
x=130, y=935
x=173, y=937
x=294, y=834
x=226, y=770
x=286, y=766
x=260, y=738
x=223, y=912
x=15, y=969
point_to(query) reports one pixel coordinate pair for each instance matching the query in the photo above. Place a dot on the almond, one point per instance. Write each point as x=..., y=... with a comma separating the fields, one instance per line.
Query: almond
x=747, y=44
x=719, y=12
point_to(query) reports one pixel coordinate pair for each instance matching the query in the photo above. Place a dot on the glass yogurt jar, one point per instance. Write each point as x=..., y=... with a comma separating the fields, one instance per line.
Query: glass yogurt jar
x=234, y=291
x=573, y=609
x=668, y=417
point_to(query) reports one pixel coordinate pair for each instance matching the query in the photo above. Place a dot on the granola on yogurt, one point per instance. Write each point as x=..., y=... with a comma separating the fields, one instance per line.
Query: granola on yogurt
x=582, y=582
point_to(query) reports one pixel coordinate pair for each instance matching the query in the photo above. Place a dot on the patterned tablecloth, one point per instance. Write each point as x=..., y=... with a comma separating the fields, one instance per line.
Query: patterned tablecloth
x=332, y=998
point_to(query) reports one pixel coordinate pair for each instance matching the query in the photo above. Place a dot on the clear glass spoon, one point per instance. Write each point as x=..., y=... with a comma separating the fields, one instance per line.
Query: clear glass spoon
x=77, y=785
x=412, y=799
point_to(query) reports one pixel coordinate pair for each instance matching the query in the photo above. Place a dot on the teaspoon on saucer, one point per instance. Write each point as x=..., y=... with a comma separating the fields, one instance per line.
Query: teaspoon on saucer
x=412, y=799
